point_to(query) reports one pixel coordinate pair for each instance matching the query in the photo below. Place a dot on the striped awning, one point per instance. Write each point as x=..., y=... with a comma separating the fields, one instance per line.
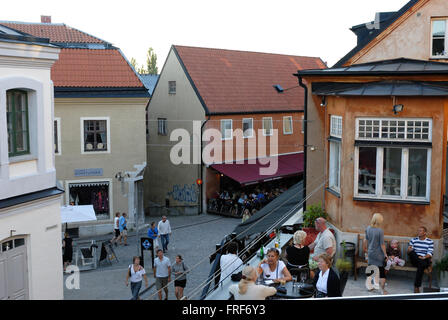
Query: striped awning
x=88, y=184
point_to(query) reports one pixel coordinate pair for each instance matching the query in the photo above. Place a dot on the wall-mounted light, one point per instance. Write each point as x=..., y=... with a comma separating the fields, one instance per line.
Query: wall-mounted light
x=312, y=148
x=324, y=102
x=280, y=89
x=120, y=176
x=397, y=108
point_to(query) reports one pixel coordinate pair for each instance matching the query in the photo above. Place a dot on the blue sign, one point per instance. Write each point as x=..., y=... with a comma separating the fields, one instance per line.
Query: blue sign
x=89, y=172
x=146, y=244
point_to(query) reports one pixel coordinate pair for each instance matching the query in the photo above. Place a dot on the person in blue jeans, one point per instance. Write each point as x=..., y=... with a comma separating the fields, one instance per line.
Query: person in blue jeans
x=136, y=273
x=164, y=232
x=123, y=229
x=153, y=233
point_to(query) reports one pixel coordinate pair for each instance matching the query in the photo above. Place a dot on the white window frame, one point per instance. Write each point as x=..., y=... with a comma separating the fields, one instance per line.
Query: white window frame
x=331, y=184
x=292, y=129
x=264, y=130
x=58, y=132
x=336, y=126
x=170, y=91
x=87, y=181
x=405, y=139
x=251, y=120
x=164, y=126
x=109, y=144
x=404, y=174
x=223, y=132
x=446, y=39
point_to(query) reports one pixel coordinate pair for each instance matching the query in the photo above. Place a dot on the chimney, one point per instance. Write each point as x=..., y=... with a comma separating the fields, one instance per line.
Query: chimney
x=45, y=19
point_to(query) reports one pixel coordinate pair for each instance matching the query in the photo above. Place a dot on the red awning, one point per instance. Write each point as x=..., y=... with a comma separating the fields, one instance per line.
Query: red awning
x=246, y=174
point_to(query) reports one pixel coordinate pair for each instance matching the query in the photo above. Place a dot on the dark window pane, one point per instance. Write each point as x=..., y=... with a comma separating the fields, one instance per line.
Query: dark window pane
x=417, y=172
x=391, y=171
x=7, y=246
x=367, y=170
x=19, y=242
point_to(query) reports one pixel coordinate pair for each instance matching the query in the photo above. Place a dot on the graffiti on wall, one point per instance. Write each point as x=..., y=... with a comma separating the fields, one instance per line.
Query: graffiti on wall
x=186, y=193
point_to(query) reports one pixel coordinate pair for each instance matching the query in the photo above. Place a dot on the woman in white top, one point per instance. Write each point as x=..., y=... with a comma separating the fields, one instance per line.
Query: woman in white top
x=136, y=272
x=326, y=281
x=246, y=289
x=274, y=269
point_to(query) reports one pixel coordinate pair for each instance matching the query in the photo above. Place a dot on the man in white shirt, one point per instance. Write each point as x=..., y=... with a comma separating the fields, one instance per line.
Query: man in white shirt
x=164, y=232
x=230, y=263
x=162, y=273
x=325, y=241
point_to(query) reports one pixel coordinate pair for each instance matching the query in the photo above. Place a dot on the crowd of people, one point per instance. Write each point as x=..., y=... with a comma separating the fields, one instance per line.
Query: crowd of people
x=297, y=256
x=241, y=203
x=324, y=278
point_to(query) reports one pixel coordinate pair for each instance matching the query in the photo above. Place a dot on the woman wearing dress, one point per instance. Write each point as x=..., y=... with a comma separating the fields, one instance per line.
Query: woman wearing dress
x=67, y=244
x=375, y=247
x=136, y=272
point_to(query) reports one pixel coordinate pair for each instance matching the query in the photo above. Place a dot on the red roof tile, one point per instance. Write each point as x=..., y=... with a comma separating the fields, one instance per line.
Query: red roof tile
x=93, y=68
x=240, y=81
x=54, y=32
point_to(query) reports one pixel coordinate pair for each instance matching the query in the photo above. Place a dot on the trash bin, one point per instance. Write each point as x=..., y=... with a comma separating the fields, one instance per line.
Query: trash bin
x=349, y=249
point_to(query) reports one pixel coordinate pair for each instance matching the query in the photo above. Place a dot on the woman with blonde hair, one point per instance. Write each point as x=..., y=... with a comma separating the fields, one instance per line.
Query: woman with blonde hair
x=298, y=254
x=246, y=289
x=376, y=249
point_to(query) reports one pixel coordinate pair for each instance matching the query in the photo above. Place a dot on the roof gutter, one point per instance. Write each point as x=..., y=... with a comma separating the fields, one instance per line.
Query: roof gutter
x=305, y=138
x=201, y=166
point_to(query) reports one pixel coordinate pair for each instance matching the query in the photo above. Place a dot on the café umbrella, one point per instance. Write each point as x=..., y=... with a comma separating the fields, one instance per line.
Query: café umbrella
x=70, y=214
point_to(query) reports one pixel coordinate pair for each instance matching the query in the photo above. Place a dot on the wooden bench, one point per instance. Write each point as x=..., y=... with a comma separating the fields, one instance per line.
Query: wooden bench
x=360, y=260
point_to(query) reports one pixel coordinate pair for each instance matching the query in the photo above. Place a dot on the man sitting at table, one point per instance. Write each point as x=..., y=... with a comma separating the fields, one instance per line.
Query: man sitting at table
x=271, y=268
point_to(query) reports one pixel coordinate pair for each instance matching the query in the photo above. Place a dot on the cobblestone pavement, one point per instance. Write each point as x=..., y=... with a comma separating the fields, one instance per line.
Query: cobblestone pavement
x=194, y=237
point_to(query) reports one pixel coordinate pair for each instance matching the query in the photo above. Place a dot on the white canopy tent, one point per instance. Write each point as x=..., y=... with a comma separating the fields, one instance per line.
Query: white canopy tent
x=71, y=214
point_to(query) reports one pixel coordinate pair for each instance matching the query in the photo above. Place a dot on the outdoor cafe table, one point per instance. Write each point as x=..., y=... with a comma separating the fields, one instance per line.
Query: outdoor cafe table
x=291, y=292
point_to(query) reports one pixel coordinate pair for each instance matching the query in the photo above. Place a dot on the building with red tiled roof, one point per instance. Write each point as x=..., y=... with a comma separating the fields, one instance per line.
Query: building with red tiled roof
x=224, y=89
x=100, y=105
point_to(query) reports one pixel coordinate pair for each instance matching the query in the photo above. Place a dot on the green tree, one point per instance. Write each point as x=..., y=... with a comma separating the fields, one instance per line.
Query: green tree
x=151, y=62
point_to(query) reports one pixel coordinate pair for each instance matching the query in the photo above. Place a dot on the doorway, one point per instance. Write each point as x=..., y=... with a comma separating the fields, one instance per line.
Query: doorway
x=13, y=269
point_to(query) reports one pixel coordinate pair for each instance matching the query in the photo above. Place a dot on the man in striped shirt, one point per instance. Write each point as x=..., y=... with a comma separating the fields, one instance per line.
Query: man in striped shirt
x=420, y=252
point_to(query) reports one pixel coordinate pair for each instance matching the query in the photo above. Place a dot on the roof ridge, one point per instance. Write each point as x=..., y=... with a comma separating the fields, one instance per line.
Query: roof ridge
x=31, y=23
x=247, y=51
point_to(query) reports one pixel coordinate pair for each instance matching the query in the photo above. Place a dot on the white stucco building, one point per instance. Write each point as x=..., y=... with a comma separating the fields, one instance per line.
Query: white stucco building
x=30, y=220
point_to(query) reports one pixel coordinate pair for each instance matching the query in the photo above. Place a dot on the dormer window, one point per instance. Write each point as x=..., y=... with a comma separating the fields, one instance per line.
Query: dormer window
x=17, y=122
x=439, y=38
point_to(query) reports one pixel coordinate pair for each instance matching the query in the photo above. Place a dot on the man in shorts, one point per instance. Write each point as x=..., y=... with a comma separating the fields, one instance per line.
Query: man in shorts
x=162, y=273
x=116, y=229
x=123, y=229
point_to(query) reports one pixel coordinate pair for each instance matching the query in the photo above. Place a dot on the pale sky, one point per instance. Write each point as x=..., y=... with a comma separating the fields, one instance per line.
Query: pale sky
x=318, y=28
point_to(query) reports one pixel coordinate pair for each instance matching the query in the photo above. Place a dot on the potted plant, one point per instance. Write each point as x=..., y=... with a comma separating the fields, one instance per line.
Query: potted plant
x=442, y=271
x=309, y=216
x=344, y=266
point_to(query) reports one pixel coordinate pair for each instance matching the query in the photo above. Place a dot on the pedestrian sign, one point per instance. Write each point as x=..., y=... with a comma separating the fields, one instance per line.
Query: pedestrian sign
x=146, y=244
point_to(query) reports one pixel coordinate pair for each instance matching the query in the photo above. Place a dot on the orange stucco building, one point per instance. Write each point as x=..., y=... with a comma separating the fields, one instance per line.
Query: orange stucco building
x=379, y=133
